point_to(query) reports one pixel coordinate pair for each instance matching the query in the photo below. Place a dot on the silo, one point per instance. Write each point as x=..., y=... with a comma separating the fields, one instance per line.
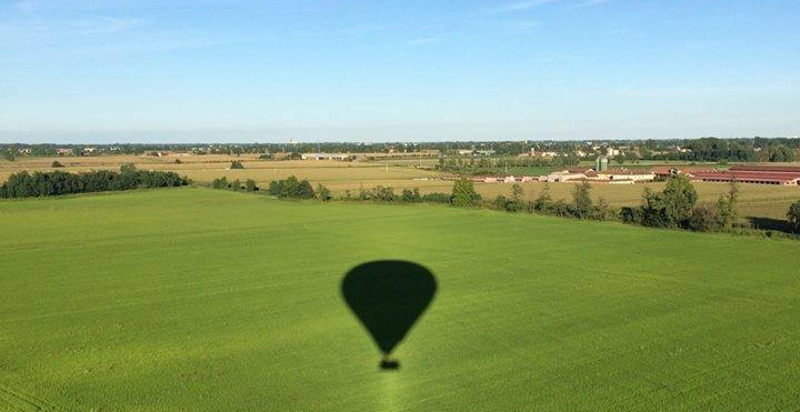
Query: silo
x=597, y=164
x=604, y=164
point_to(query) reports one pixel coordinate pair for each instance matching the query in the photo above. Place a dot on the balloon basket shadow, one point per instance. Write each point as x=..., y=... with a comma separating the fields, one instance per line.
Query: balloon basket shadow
x=389, y=365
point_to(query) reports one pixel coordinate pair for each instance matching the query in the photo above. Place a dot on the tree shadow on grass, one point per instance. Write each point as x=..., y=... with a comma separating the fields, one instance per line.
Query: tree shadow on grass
x=388, y=297
x=765, y=223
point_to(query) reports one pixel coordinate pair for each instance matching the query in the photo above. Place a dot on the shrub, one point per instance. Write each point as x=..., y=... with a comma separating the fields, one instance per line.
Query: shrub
x=704, y=219
x=411, y=196
x=604, y=211
x=236, y=165
x=220, y=183
x=383, y=194
x=501, y=203
x=436, y=197
x=630, y=215
x=56, y=164
x=250, y=186
x=323, y=193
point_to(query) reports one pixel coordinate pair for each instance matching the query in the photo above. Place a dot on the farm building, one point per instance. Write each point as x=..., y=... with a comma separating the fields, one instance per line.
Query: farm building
x=765, y=175
x=634, y=176
x=325, y=156
x=606, y=176
x=665, y=172
x=567, y=175
x=758, y=174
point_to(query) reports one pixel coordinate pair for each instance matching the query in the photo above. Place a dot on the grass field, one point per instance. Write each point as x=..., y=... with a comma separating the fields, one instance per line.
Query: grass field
x=192, y=299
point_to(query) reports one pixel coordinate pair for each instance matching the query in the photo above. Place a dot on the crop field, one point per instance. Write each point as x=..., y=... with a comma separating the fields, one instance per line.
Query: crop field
x=755, y=201
x=194, y=299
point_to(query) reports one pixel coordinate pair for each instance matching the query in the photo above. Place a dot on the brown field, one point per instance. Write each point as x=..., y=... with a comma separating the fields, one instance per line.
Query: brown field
x=761, y=201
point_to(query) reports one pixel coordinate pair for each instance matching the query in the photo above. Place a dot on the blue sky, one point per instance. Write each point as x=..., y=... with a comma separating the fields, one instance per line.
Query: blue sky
x=274, y=70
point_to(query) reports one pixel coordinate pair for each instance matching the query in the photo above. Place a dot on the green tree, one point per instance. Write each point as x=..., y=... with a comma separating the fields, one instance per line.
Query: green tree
x=726, y=207
x=781, y=153
x=677, y=201
x=582, y=201
x=464, y=194
x=603, y=211
x=544, y=201
x=794, y=214
x=292, y=188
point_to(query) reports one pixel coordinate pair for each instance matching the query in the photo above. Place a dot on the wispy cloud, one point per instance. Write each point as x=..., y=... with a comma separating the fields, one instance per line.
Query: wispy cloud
x=29, y=32
x=520, y=6
x=589, y=3
x=523, y=5
x=103, y=24
x=426, y=40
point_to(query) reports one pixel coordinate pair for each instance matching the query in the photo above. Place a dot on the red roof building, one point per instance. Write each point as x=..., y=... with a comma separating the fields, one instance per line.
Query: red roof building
x=747, y=176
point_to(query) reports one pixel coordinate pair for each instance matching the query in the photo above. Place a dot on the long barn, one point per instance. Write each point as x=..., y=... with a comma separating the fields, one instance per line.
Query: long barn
x=768, y=175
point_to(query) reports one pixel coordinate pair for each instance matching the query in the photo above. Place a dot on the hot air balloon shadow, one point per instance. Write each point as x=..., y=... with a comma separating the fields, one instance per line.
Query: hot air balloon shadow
x=388, y=297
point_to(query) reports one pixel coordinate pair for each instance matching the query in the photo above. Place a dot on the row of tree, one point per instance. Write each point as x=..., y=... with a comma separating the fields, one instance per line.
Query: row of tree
x=581, y=207
x=55, y=183
x=387, y=194
x=675, y=207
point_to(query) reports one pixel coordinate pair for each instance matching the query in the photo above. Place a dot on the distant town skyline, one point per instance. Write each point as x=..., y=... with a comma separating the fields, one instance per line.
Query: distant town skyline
x=92, y=72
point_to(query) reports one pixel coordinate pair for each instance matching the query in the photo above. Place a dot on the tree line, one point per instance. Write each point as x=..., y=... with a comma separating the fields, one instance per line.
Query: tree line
x=677, y=206
x=41, y=184
x=703, y=149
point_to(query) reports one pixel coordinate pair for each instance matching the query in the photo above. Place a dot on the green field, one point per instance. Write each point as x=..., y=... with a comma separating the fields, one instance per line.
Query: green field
x=192, y=299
